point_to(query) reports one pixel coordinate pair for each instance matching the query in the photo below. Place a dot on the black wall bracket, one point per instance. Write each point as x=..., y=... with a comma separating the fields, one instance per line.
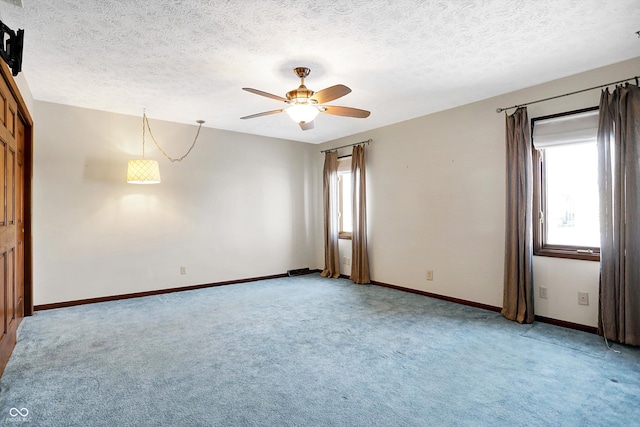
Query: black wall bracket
x=11, y=49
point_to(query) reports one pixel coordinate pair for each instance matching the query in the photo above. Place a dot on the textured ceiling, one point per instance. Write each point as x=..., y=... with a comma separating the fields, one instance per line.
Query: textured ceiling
x=185, y=60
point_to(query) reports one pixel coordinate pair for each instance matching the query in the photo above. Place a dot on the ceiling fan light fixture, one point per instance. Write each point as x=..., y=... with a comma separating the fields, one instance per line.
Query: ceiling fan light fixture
x=302, y=113
x=305, y=104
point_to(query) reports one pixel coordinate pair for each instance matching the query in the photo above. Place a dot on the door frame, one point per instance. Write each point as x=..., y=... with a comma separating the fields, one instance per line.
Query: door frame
x=25, y=116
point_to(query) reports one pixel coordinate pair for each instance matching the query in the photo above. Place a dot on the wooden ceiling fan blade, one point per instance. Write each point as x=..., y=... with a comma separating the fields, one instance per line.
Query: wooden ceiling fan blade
x=306, y=125
x=331, y=93
x=345, y=111
x=265, y=113
x=262, y=93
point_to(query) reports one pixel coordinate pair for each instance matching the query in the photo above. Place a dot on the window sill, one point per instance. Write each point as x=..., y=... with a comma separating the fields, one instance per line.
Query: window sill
x=567, y=253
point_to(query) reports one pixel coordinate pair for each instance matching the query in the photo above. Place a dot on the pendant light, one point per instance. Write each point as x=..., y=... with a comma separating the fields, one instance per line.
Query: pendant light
x=143, y=171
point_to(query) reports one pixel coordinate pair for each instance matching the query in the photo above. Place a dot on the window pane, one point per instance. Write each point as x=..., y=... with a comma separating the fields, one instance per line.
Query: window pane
x=347, y=215
x=572, y=216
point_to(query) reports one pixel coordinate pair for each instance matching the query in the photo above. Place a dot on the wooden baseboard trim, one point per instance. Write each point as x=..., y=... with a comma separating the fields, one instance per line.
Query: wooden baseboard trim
x=568, y=325
x=556, y=322
x=441, y=297
x=151, y=293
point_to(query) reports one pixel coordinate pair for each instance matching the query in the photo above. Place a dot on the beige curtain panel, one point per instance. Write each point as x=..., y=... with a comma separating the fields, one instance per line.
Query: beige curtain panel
x=619, y=184
x=359, y=255
x=330, y=194
x=518, y=264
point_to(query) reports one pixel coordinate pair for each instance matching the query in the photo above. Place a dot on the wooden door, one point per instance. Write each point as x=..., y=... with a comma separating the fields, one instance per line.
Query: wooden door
x=11, y=239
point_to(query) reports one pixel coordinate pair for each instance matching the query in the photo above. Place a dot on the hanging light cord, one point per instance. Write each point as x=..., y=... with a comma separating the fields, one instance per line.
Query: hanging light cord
x=144, y=116
x=145, y=122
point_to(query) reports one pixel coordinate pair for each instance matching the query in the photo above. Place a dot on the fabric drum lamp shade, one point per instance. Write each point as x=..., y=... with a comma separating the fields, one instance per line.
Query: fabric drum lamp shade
x=142, y=171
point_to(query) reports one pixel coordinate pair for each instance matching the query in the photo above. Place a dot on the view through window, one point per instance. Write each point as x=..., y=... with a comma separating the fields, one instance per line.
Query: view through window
x=345, y=212
x=572, y=195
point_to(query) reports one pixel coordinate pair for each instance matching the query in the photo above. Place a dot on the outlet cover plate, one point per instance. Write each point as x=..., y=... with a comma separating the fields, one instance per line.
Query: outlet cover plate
x=583, y=298
x=543, y=292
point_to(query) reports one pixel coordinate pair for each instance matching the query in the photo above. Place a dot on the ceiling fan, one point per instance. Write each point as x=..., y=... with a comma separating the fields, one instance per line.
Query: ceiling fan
x=305, y=104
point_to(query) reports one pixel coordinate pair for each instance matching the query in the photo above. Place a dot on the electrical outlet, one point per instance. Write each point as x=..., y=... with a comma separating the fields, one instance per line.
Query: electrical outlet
x=543, y=292
x=429, y=274
x=583, y=298
x=183, y=269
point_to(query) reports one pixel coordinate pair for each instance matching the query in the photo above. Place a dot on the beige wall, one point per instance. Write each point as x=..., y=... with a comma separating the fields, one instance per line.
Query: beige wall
x=239, y=206
x=436, y=201
x=244, y=206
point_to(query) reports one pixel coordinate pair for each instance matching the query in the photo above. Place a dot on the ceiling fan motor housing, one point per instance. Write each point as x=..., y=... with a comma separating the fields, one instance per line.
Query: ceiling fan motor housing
x=302, y=95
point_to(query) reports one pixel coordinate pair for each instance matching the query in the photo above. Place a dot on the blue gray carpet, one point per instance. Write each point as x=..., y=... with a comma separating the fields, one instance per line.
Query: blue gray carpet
x=309, y=351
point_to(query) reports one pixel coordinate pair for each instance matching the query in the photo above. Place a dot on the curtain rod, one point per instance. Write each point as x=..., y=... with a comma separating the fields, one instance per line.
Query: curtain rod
x=500, y=110
x=368, y=141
